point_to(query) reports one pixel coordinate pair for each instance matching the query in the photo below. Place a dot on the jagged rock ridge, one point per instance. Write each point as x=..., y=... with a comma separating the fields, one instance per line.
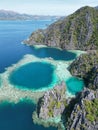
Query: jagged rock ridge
x=84, y=116
x=52, y=104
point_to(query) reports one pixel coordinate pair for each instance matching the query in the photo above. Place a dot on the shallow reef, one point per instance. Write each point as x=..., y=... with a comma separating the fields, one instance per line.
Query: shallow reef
x=14, y=92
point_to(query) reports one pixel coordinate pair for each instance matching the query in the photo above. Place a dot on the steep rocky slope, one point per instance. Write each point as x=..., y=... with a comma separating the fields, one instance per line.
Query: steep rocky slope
x=81, y=112
x=77, y=31
x=50, y=107
x=53, y=102
x=86, y=67
x=84, y=115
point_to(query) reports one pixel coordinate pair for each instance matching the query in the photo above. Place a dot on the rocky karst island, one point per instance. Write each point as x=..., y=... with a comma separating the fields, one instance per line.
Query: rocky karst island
x=77, y=31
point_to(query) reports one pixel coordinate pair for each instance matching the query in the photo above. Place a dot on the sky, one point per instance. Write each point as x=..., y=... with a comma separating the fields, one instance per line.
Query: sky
x=46, y=7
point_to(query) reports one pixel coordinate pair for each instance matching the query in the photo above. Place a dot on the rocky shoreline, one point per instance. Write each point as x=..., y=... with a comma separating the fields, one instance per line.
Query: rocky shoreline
x=77, y=113
x=51, y=107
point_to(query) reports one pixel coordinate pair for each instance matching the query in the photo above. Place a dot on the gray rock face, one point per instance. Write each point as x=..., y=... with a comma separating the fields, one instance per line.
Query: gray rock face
x=86, y=67
x=78, y=117
x=95, y=71
x=52, y=103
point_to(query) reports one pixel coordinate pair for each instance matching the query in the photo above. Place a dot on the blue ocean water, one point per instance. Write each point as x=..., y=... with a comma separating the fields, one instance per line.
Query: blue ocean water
x=34, y=75
x=12, y=33
x=18, y=117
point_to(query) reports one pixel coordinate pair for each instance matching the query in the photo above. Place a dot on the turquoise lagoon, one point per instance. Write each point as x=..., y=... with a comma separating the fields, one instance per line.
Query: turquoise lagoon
x=12, y=33
x=34, y=75
x=74, y=85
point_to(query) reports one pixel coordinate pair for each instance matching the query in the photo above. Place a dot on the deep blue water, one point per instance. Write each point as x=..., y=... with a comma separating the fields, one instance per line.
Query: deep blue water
x=18, y=117
x=34, y=75
x=12, y=33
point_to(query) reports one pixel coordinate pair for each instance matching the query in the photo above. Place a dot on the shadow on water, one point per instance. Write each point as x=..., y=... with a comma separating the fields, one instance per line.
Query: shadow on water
x=18, y=117
x=54, y=53
x=33, y=75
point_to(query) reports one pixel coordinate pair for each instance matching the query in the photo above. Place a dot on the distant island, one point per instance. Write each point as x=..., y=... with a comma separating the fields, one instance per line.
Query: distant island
x=11, y=15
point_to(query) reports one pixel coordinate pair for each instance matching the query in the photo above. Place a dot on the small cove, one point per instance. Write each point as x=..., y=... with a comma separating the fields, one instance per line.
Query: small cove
x=56, y=54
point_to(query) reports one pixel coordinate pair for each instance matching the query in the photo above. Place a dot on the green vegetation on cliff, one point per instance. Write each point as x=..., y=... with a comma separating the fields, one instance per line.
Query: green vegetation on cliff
x=86, y=67
x=77, y=31
x=91, y=109
x=84, y=114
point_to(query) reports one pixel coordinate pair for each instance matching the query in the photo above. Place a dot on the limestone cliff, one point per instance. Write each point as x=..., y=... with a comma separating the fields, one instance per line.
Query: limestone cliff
x=52, y=104
x=77, y=31
x=84, y=115
x=86, y=67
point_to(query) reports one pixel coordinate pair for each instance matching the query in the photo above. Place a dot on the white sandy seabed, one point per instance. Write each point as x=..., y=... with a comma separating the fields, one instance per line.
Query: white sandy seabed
x=12, y=93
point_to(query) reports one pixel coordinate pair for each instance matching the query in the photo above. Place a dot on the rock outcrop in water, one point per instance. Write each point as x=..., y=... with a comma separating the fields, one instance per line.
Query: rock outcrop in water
x=77, y=31
x=50, y=107
x=52, y=103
